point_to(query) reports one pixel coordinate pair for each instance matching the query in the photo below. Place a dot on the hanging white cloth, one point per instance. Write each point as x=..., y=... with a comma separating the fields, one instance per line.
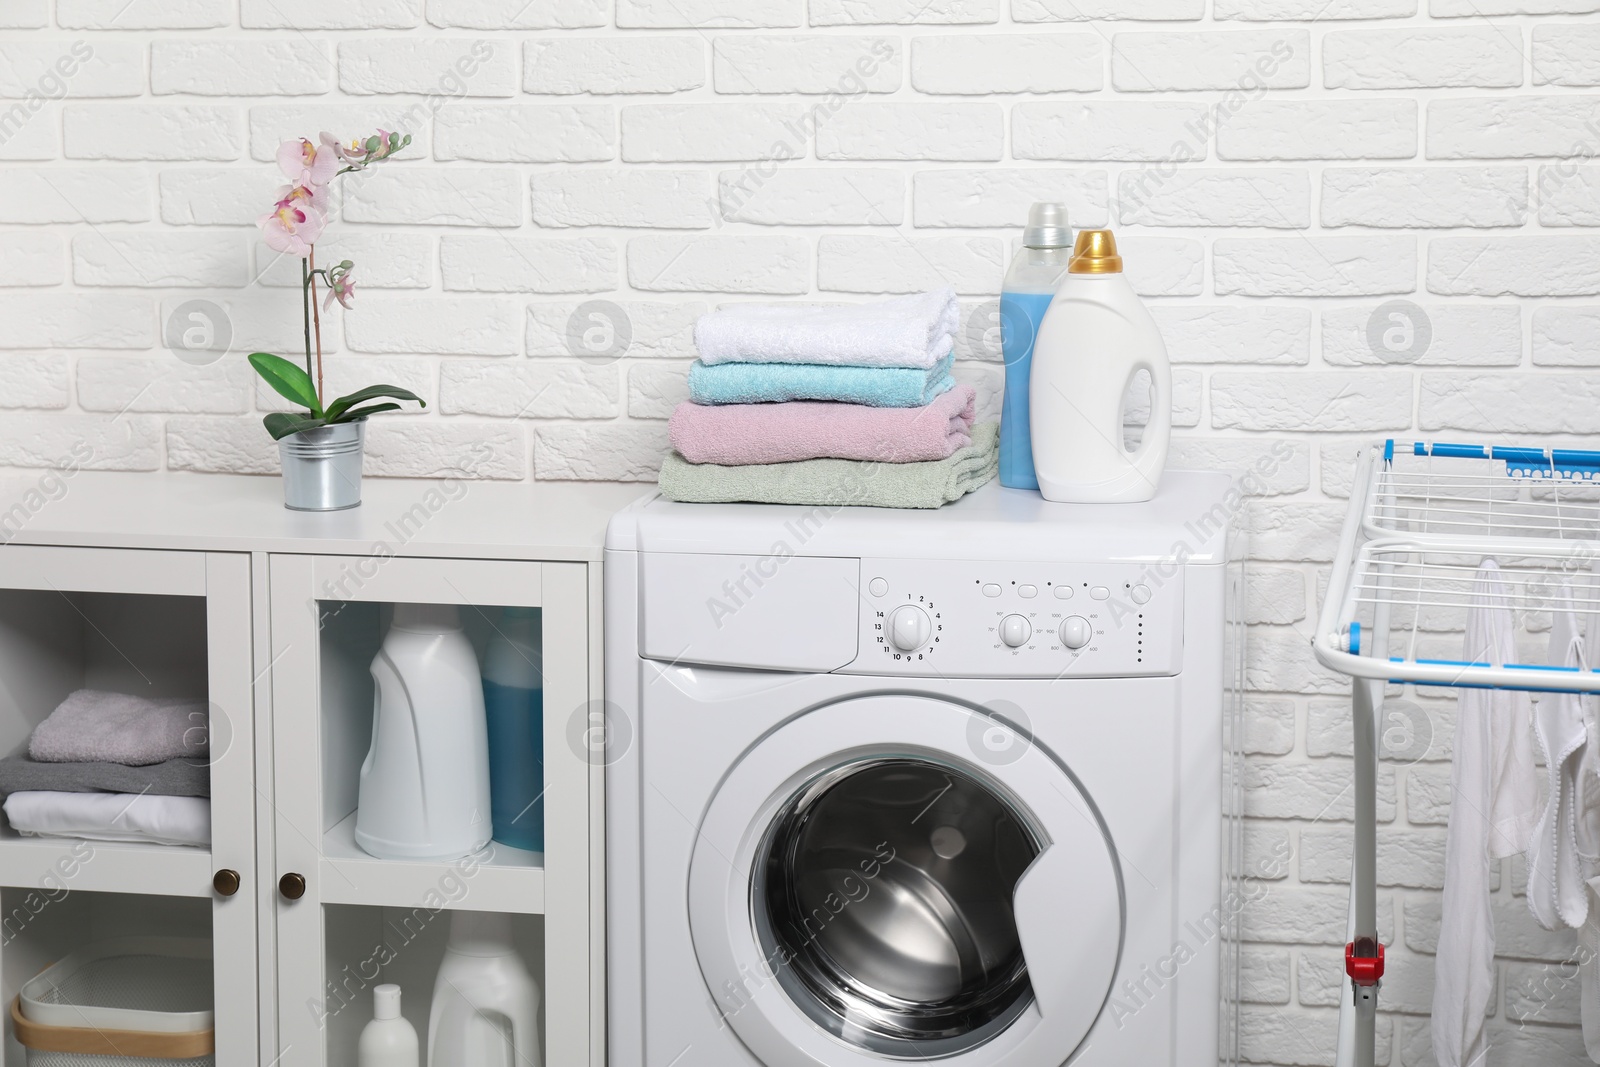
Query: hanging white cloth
x=1557, y=895
x=1495, y=803
x=1589, y=837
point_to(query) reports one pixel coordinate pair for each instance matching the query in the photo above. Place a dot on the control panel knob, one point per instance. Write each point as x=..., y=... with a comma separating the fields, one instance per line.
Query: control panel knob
x=909, y=628
x=1015, y=630
x=1075, y=632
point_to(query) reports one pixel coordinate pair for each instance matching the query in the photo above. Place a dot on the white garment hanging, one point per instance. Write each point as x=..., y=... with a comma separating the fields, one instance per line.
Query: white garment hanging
x=1557, y=895
x=1589, y=773
x=1589, y=841
x=1494, y=805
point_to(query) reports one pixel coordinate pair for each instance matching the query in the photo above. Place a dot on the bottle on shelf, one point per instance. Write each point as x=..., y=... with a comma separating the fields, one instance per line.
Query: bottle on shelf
x=424, y=791
x=1024, y=295
x=485, y=1002
x=1095, y=340
x=388, y=1040
x=513, y=695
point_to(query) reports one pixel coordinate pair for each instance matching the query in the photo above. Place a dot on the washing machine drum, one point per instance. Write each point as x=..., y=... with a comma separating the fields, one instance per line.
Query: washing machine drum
x=947, y=898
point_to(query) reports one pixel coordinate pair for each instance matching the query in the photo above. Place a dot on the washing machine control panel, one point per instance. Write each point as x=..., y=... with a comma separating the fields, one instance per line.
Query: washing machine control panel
x=1019, y=620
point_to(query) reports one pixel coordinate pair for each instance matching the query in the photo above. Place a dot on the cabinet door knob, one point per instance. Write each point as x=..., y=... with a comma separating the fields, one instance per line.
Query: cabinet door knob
x=292, y=886
x=225, y=882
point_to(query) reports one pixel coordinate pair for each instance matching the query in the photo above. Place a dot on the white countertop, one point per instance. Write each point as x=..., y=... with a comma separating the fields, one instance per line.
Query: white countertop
x=449, y=518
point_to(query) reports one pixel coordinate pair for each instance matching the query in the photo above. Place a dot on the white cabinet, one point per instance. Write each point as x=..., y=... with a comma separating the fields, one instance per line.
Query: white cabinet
x=173, y=584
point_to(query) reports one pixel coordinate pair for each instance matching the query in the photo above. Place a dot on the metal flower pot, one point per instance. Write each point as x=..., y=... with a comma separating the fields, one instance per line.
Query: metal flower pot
x=322, y=467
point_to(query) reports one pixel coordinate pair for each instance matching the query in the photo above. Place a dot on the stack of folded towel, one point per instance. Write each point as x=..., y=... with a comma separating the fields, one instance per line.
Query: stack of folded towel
x=829, y=406
x=114, y=767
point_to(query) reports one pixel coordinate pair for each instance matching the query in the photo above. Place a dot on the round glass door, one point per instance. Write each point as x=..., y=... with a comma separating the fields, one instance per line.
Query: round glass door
x=887, y=884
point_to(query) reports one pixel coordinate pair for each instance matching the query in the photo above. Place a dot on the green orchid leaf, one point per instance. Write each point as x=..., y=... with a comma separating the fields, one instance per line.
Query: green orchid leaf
x=360, y=413
x=288, y=380
x=371, y=392
x=281, y=424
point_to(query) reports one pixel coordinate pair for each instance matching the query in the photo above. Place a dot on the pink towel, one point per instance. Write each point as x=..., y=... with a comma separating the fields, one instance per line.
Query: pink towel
x=740, y=434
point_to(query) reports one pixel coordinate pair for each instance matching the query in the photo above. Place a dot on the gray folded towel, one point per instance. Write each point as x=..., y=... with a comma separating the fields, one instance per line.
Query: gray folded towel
x=839, y=482
x=174, y=778
x=94, y=726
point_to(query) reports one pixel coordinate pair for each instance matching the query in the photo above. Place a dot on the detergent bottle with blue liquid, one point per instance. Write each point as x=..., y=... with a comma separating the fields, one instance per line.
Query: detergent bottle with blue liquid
x=1024, y=297
x=513, y=696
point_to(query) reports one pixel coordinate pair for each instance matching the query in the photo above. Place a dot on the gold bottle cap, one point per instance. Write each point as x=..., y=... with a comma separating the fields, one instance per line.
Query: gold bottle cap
x=1095, y=253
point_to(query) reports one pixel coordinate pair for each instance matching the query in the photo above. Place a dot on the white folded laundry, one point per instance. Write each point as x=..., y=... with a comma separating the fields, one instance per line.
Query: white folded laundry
x=144, y=817
x=906, y=331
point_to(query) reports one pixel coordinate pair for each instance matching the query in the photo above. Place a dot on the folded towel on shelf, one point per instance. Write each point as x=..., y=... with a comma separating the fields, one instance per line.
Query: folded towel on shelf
x=766, y=383
x=907, y=331
x=174, y=778
x=734, y=434
x=95, y=726
x=111, y=817
x=839, y=482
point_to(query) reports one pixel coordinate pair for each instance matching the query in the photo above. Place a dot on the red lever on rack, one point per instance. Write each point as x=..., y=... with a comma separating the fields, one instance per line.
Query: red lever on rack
x=1363, y=970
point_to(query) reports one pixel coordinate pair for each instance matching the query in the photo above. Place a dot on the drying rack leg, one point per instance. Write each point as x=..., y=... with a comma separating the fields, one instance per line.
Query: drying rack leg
x=1364, y=954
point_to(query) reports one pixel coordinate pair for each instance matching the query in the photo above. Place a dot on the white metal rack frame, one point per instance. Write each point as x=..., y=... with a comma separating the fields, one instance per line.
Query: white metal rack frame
x=1422, y=519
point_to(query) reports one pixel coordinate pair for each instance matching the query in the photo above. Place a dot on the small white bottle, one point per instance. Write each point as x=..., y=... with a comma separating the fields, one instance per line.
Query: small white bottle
x=388, y=1040
x=1095, y=338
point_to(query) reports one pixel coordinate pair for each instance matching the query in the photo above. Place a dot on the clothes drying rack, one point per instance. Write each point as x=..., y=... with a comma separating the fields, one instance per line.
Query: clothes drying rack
x=1422, y=518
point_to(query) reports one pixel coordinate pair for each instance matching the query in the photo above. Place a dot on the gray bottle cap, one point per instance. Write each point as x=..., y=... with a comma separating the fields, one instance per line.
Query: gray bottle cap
x=1047, y=227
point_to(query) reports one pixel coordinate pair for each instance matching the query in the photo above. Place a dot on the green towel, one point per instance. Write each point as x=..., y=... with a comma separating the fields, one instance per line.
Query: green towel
x=839, y=482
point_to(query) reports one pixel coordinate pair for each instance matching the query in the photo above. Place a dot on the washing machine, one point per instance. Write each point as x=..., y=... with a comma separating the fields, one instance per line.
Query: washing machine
x=891, y=787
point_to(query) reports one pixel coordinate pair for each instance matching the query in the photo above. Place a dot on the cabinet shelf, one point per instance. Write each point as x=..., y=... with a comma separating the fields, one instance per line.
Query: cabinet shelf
x=110, y=866
x=498, y=879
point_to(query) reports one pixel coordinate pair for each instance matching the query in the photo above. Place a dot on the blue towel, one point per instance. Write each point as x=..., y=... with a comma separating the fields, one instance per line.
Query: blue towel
x=761, y=383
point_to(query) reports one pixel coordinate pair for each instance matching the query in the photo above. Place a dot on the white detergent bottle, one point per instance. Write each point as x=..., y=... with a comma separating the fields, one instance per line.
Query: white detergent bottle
x=388, y=1040
x=425, y=783
x=485, y=1003
x=1096, y=336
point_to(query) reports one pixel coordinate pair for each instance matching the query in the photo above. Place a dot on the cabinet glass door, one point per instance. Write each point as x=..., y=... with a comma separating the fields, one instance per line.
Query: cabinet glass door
x=423, y=772
x=173, y=858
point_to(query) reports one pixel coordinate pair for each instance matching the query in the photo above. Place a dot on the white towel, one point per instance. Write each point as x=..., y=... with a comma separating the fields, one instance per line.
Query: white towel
x=1494, y=805
x=94, y=726
x=907, y=331
x=111, y=817
x=1557, y=895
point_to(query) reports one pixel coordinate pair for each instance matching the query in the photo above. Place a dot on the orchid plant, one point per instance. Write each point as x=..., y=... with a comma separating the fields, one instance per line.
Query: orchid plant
x=292, y=227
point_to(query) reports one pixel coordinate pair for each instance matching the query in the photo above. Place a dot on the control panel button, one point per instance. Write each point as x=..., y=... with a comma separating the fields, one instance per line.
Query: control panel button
x=1100, y=592
x=909, y=628
x=1015, y=630
x=1075, y=632
x=878, y=587
x=1141, y=594
x=991, y=590
x=1063, y=592
x=1027, y=592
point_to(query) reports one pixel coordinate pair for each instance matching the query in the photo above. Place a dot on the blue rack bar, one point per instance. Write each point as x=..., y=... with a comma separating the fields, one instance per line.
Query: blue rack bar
x=1469, y=685
x=1568, y=462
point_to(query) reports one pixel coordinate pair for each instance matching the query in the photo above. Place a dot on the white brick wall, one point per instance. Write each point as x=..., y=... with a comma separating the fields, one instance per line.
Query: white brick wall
x=588, y=172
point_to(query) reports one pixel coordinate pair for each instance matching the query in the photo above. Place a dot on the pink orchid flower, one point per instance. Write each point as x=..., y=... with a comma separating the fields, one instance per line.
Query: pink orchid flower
x=292, y=228
x=313, y=196
x=353, y=153
x=306, y=164
x=341, y=287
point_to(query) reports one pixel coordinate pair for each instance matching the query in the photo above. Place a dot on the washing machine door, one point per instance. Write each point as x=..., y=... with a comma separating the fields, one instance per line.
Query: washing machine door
x=902, y=878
